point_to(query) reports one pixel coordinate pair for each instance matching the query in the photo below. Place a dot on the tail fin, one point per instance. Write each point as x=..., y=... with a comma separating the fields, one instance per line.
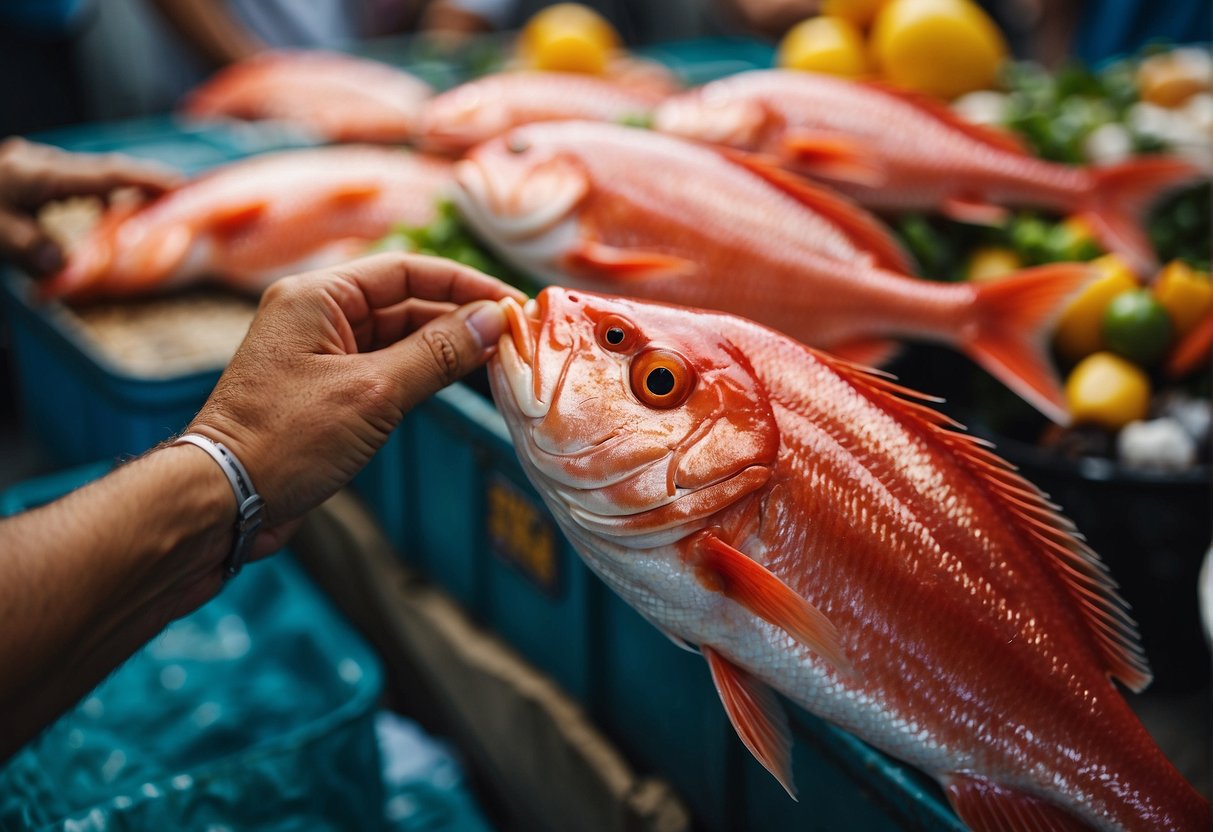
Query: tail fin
x=1117, y=204
x=1192, y=351
x=1014, y=321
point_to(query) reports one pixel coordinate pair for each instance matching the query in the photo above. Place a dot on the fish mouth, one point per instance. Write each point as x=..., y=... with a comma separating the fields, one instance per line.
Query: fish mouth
x=517, y=352
x=514, y=203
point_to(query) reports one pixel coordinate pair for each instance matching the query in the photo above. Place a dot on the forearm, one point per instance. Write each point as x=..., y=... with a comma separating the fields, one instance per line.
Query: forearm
x=210, y=28
x=85, y=581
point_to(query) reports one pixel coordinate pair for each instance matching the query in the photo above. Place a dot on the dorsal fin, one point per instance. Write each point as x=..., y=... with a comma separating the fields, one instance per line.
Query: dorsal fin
x=1078, y=566
x=993, y=137
x=864, y=230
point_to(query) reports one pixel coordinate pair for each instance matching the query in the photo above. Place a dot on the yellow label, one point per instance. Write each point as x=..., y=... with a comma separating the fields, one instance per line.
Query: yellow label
x=520, y=531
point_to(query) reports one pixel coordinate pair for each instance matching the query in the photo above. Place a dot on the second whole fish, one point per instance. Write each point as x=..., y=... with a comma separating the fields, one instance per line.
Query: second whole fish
x=891, y=150
x=626, y=211
x=250, y=222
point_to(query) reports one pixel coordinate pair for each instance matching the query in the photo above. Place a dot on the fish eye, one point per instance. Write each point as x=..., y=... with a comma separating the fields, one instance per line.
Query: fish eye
x=616, y=334
x=517, y=144
x=662, y=379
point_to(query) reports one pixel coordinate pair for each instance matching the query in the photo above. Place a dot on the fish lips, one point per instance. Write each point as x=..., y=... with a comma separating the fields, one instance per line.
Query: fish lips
x=518, y=201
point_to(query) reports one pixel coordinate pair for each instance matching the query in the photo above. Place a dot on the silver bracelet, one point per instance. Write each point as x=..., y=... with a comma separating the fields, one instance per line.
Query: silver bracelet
x=249, y=505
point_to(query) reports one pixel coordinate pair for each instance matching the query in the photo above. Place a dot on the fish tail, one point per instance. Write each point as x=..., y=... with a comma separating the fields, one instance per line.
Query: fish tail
x=1116, y=205
x=1015, y=317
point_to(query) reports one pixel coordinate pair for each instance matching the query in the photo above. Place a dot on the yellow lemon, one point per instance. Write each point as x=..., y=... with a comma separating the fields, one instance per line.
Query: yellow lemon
x=940, y=47
x=568, y=37
x=1106, y=390
x=1185, y=293
x=991, y=263
x=824, y=44
x=1080, y=330
x=859, y=12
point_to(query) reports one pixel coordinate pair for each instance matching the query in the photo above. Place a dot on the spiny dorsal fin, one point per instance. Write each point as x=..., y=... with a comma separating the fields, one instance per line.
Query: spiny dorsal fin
x=1081, y=570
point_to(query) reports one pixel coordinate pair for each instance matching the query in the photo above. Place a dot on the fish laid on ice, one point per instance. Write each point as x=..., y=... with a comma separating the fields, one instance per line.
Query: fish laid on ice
x=814, y=529
x=626, y=211
x=250, y=222
x=333, y=96
x=891, y=150
x=479, y=110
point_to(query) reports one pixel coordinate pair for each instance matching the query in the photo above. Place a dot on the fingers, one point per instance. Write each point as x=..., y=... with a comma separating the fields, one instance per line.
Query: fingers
x=33, y=174
x=441, y=352
x=24, y=242
x=385, y=280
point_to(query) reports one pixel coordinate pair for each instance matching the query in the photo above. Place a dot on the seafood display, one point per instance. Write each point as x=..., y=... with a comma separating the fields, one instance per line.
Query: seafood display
x=813, y=529
x=893, y=151
x=626, y=211
x=250, y=222
x=331, y=96
x=479, y=110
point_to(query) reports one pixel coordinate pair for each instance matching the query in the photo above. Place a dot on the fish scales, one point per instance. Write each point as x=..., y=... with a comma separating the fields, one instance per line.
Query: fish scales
x=946, y=626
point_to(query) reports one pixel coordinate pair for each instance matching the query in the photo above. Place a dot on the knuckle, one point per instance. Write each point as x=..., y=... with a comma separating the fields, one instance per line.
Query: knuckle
x=445, y=354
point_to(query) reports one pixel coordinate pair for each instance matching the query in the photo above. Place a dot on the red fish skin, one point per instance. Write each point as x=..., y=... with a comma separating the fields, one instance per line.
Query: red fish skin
x=925, y=160
x=649, y=194
x=969, y=654
x=339, y=97
x=471, y=113
x=251, y=221
x=988, y=640
x=920, y=155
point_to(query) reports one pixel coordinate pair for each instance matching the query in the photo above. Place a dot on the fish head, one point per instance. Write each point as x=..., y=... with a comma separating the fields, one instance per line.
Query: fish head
x=522, y=193
x=711, y=115
x=461, y=118
x=638, y=421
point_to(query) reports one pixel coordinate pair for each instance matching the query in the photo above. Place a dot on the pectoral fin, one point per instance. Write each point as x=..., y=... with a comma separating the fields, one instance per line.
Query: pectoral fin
x=353, y=193
x=974, y=211
x=834, y=156
x=233, y=219
x=601, y=260
x=757, y=716
x=723, y=569
x=989, y=807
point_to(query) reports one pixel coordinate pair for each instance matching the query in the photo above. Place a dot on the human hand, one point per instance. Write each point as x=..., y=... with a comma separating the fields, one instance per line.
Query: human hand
x=333, y=361
x=32, y=175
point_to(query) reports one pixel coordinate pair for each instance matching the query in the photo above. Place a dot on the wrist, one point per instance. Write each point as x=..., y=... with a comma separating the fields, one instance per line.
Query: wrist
x=190, y=531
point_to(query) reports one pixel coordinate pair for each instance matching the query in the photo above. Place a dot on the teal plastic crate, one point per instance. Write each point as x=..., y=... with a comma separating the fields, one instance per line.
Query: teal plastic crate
x=187, y=146
x=72, y=401
x=461, y=490
x=257, y=711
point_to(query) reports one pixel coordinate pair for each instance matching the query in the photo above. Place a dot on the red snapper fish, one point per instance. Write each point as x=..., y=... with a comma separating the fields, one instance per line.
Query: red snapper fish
x=814, y=529
x=333, y=96
x=891, y=150
x=479, y=110
x=628, y=211
x=250, y=222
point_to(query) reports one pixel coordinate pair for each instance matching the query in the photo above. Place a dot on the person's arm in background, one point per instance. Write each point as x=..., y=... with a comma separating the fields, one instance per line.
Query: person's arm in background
x=330, y=365
x=770, y=17
x=32, y=175
x=210, y=28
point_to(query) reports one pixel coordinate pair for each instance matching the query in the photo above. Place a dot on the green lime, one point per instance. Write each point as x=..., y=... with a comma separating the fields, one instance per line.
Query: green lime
x=1137, y=326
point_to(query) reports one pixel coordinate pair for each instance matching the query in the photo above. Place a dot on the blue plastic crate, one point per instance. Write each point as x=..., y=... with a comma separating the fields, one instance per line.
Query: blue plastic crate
x=78, y=406
x=186, y=146
x=256, y=711
x=706, y=59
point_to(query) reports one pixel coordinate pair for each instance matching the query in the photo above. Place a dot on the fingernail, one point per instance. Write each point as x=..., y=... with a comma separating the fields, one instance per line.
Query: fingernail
x=487, y=324
x=47, y=258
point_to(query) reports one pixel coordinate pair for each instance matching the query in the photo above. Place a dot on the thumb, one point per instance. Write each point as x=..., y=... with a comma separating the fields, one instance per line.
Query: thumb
x=23, y=242
x=443, y=351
